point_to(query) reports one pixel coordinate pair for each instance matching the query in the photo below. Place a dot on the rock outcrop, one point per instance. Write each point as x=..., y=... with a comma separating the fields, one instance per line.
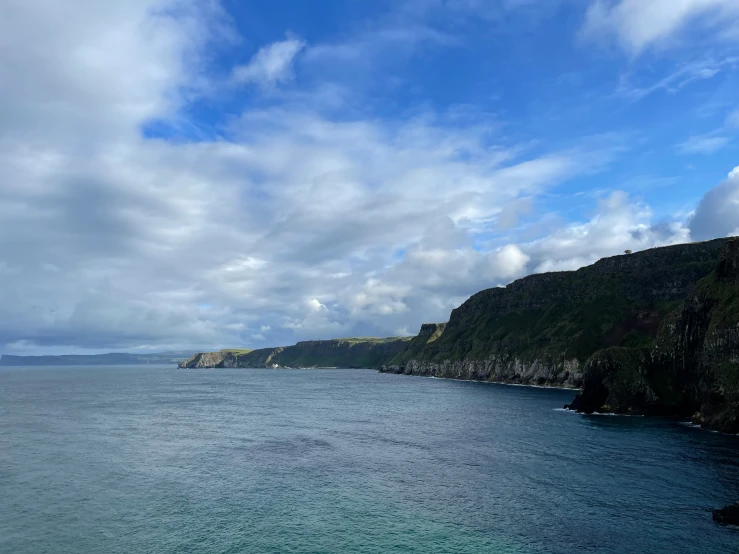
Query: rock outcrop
x=542, y=329
x=233, y=358
x=692, y=367
x=728, y=515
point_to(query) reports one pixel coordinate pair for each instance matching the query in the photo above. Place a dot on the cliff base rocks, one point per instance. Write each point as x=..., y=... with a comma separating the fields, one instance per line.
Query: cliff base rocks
x=728, y=515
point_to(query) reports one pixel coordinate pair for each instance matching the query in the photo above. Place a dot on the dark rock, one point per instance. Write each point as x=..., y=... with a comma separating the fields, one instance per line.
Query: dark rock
x=728, y=515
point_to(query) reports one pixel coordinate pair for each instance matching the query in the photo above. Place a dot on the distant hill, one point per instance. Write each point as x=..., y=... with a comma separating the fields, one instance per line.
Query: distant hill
x=349, y=352
x=97, y=359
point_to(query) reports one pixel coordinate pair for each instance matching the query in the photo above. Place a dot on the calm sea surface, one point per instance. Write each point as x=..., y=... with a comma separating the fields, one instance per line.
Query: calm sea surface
x=161, y=460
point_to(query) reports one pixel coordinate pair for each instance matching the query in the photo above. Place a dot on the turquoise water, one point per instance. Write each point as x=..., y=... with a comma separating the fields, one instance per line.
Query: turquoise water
x=160, y=460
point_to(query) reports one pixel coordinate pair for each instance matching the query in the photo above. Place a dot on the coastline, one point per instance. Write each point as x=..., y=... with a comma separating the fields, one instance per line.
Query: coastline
x=508, y=384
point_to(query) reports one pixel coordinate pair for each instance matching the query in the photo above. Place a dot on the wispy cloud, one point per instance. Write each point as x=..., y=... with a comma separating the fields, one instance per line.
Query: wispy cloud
x=672, y=83
x=366, y=45
x=704, y=144
x=641, y=24
x=271, y=65
x=732, y=120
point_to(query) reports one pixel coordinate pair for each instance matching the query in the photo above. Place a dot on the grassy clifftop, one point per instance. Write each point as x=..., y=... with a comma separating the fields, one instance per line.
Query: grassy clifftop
x=366, y=352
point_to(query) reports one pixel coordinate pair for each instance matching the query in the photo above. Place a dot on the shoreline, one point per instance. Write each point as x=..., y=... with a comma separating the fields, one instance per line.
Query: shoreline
x=685, y=423
x=507, y=384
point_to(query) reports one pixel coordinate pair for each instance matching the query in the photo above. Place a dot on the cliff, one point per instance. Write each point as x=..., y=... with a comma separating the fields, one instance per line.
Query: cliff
x=347, y=353
x=691, y=369
x=654, y=332
x=542, y=329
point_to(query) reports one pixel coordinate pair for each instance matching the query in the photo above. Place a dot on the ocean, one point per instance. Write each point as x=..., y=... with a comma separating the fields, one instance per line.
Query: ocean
x=162, y=460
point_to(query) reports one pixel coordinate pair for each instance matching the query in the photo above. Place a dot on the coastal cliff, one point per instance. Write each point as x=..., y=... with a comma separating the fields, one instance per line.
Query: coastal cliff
x=654, y=332
x=691, y=369
x=542, y=329
x=347, y=353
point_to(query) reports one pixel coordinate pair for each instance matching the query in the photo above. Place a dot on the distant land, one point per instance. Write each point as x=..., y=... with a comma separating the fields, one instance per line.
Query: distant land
x=360, y=352
x=653, y=332
x=98, y=359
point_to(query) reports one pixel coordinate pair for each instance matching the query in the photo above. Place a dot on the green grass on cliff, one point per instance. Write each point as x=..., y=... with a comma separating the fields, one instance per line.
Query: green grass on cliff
x=374, y=340
x=726, y=297
x=236, y=351
x=570, y=315
x=352, y=352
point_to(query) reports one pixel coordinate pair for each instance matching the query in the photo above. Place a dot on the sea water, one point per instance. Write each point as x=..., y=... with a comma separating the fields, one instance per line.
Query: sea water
x=163, y=460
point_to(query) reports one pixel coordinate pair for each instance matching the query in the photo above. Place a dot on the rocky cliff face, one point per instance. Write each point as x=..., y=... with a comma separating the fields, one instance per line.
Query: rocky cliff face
x=692, y=368
x=543, y=328
x=232, y=358
x=348, y=353
x=499, y=369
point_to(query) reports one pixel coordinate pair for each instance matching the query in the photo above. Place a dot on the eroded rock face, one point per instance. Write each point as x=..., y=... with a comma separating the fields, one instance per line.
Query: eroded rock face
x=692, y=369
x=205, y=359
x=542, y=373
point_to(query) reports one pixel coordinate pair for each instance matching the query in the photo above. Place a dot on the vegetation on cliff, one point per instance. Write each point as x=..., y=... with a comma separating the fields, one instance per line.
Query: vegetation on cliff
x=543, y=328
x=367, y=352
x=691, y=369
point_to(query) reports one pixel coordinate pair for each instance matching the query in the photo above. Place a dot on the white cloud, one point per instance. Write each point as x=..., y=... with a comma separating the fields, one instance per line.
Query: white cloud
x=717, y=213
x=271, y=65
x=292, y=225
x=732, y=120
x=675, y=81
x=704, y=144
x=619, y=224
x=640, y=24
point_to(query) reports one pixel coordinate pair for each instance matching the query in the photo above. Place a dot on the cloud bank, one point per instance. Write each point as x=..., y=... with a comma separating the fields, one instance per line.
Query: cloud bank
x=284, y=223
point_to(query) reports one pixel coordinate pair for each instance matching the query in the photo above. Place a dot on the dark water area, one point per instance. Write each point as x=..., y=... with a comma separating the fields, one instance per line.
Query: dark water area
x=161, y=460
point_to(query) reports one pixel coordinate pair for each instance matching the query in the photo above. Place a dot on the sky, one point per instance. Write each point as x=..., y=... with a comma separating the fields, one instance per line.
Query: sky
x=200, y=174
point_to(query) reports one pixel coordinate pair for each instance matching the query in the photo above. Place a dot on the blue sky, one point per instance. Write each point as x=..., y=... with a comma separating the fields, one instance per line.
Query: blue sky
x=531, y=68
x=203, y=174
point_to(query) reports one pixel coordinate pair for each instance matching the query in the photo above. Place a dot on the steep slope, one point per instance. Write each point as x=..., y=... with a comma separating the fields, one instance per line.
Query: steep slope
x=348, y=353
x=543, y=328
x=692, y=369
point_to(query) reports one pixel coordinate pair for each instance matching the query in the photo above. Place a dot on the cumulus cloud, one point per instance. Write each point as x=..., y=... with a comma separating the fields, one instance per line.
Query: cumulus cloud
x=271, y=65
x=620, y=223
x=639, y=24
x=282, y=232
x=717, y=213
